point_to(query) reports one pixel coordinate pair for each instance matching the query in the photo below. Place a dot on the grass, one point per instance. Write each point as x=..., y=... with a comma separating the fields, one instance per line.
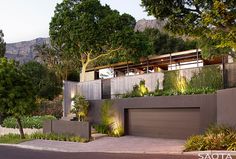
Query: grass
x=13, y=139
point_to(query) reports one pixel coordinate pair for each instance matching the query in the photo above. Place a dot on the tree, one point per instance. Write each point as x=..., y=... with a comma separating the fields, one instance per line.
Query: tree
x=164, y=43
x=2, y=44
x=17, y=95
x=89, y=31
x=56, y=60
x=208, y=20
x=45, y=81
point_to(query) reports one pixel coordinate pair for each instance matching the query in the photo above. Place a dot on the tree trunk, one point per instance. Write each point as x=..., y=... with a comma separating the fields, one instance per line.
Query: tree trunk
x=82, y=78
x=20, y=128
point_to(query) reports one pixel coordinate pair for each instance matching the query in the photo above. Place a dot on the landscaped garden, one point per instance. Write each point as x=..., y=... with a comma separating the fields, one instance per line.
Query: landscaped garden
x=205, y=81
x=216, y=137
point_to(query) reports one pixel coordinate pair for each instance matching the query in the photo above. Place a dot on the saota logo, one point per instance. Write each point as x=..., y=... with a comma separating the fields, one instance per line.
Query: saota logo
x=214, y=156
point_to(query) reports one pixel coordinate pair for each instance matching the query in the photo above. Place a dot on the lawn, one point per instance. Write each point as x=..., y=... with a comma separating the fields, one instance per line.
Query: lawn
x=13, y=139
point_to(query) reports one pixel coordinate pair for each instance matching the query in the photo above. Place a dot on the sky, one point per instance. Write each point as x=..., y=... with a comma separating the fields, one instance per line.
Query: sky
x=23, y=20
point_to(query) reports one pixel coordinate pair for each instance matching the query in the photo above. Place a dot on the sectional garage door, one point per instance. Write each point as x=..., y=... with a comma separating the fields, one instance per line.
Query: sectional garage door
x=163, y=123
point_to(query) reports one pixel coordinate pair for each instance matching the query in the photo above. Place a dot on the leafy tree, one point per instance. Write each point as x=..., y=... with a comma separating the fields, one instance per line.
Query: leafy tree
x=45, y=81
x=212, y=21
x=17, y=94
x=56, y=60
x=89, y=31
x=2, y=44
x=164, y=43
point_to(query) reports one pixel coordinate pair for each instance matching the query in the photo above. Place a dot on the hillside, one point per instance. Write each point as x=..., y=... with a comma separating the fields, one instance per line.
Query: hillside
x=24, y=51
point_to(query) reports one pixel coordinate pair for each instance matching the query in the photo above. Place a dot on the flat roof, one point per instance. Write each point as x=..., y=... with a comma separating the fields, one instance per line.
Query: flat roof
x=151, y=58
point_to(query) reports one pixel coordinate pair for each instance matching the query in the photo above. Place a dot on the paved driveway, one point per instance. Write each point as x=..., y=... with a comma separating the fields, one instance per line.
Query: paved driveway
x=126, y=144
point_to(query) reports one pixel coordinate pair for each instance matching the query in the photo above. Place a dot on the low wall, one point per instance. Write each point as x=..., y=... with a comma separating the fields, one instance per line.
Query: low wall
x=4, y=131
x=226, y=107
x=206, y=104
x=81, y=129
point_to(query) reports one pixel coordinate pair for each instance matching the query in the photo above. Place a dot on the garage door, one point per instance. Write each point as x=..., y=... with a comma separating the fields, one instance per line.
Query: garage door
x=163, y=123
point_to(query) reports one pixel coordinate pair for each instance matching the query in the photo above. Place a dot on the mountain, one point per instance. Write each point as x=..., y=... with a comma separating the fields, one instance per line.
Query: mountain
x=143, y=24
x=24, y=51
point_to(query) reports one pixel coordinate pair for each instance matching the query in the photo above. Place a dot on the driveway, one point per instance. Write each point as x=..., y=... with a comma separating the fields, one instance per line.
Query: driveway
x=126, y=144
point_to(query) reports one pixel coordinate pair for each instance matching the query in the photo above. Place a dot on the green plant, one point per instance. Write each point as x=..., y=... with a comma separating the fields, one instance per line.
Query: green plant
x=58, y=137
x=27, y=122
x=232, y=147
x=13, y=139
x=207, y=77
x=139, y=90
x=50, y=107
x=216, y=137
x=170, y=78
x=110, y=124
x=107, y=112
x=195, y=143
x=101, y=128
x=80, y=107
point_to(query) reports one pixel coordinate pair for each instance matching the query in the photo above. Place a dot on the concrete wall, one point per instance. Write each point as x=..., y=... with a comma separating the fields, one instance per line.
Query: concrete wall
x=89, y=76
x=206, y=104
x=226, y=107
x=90, y=90
x=81, y=129
x=122, y=85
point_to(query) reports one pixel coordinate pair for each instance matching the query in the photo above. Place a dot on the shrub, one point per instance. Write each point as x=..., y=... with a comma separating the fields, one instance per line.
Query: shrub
x=170, y=79
x=101, y=128
x=27, y=122
x=195, y=143
x=139, y=90
x=80, y=108
x=208, y=77
x=109, y=123
x=58, y=137
x=50, y=107
x=216, y=137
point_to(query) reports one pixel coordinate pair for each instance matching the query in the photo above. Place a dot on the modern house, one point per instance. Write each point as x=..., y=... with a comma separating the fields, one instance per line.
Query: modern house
x=156, y=116
x=151, y=64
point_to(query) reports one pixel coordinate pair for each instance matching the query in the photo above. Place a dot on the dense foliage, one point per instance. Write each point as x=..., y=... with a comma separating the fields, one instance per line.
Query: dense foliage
x=27, y=122
x=217, y=137
x=164, y=43
x=17, y=92
x=46, y=83
x=80, y=107
x=50, y=107
x=207, y=78
x=211, y=21
x=2, y=44
x=55, y=59
x=87, y=31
